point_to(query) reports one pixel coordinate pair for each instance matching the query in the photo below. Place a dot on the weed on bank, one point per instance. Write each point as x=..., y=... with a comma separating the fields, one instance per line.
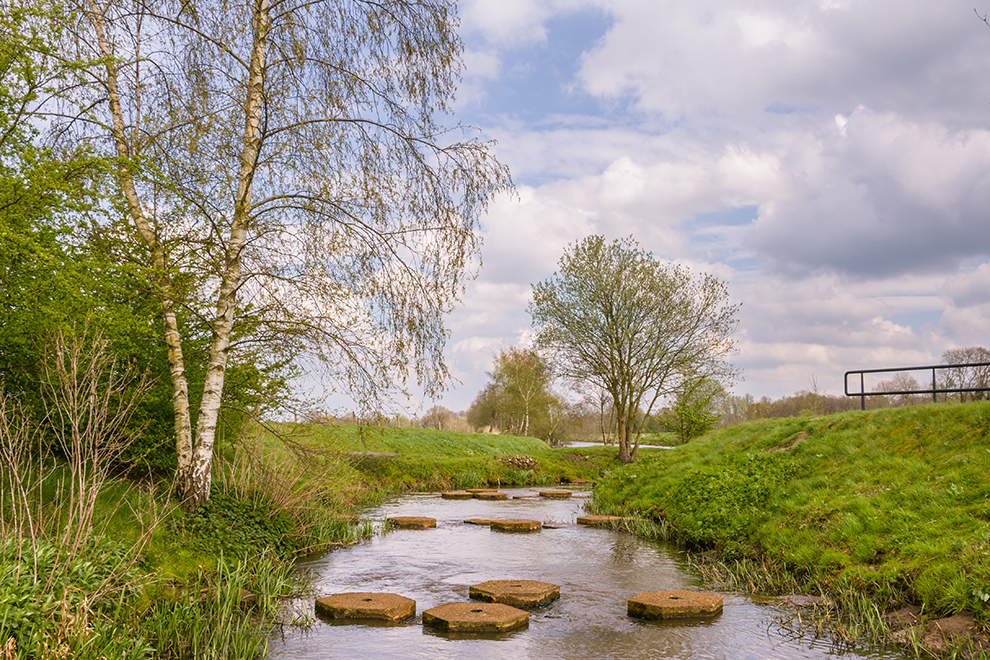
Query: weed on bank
x=891, y=505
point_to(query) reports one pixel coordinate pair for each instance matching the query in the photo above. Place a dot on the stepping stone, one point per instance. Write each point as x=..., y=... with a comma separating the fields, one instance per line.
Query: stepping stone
x=491, y=495
x=598, y=521
x=524, y=497
x=654, y=605
x=518, y=593
x=413, y=522
x=457, y=495
x=556, y=494
x=475, y=617
x=516, y=525
x=479, y=521
x=388, y=607
x=480, y=490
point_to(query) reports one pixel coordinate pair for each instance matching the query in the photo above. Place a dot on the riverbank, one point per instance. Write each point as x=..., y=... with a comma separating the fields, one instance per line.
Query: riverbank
x=129, y=575
x=872, y=510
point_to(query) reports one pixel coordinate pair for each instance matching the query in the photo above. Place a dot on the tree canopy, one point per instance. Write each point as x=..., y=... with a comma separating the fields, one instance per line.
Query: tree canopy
x=289, y=184
x=633, y=326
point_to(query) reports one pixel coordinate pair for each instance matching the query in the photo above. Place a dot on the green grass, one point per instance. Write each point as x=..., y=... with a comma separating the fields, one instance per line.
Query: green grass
x=890, y=504
x=430, y=460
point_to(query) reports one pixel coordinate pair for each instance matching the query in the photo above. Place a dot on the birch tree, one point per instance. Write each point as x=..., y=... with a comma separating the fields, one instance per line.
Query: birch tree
x=634, y=327
x=286, y=159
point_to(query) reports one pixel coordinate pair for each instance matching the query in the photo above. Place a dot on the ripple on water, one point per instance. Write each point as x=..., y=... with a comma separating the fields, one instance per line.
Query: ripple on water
x=597, y=570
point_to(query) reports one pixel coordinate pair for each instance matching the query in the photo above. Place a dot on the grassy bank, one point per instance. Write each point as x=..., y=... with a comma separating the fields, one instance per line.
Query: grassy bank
x=893, y=505
x=127, y=574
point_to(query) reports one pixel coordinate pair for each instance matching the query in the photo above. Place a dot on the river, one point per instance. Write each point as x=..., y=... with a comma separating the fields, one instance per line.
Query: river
x=597, y=570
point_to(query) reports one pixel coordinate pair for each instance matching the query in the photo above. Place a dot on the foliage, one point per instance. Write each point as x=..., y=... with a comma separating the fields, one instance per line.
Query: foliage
x=891, y=504
x=285, y=165
x=692, y=414
x=519, y=399
x=632, y=326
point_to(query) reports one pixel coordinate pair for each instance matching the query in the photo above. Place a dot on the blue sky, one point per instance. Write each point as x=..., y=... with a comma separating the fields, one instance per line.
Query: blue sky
x=830, y=160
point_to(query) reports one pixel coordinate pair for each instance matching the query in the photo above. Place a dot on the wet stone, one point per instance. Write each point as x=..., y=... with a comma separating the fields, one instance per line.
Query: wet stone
x=556, y=494
x=457, y=495
x=529, y=496
x=518, y=593
x=491, y=495
x=384, y=606
x=479, y=521
x=480, y=490
x=516, y=525
x=673, y=605
x=598, y=521
x=475, y=617
x=413, y=522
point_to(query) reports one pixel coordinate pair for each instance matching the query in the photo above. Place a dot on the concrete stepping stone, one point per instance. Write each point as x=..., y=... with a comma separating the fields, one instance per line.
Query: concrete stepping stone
x=654, y=605
x=480, y=490
x=490, y=495
x=556, y=494
x=480, y=521
x=475, y=617
x=457, y=495
x=363, y=605
x=518, y=593
x=413, y=522
x=598, y=521
x=529, y=496
x=516, y=525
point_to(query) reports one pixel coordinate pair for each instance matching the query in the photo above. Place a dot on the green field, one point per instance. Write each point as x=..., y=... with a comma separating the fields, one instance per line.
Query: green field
x=891, y=504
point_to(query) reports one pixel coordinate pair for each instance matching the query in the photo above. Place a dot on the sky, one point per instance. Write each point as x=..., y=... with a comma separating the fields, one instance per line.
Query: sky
x=829, y=160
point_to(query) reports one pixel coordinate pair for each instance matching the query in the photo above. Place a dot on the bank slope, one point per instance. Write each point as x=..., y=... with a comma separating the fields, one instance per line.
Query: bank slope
x=891, y=503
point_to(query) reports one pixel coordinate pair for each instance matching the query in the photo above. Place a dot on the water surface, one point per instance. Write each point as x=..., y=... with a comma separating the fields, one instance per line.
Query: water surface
x=597, y=570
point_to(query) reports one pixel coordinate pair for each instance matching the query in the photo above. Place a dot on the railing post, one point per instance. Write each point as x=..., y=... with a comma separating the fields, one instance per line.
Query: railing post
x=862, y=391
x=934, y=394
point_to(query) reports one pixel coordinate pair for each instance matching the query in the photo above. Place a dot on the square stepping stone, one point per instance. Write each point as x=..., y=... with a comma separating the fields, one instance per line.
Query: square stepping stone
x=412, y=522
x=457, y=495
x=364, y=605
x=556, y=494
x=517, y=525
x=480, y=521
x=475, y=617
x=654, y=605
x=518, y=593
x=490, y=495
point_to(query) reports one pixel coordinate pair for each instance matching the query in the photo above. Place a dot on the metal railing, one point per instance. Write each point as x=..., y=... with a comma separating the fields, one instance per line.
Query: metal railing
x=935, y=390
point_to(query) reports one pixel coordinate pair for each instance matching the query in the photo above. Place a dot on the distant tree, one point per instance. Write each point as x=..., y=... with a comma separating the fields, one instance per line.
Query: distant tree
x=518, y=397
x=437, y=418
x=963, y=377
x=693, y=412
x=899, y=385
x=632, y=326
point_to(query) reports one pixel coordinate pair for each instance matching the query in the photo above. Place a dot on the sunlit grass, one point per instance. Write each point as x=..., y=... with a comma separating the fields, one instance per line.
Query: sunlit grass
x=891, y=504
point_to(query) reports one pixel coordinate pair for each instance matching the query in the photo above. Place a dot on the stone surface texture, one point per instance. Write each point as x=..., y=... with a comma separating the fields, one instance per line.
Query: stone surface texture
x=518, y=593
x=491, y=495
x=479, y=521
x=413, y=522
x=457, y=495
x=556, y=494
x=365, y=605
x=673, y=605
x=475, y=617
x=516, y=525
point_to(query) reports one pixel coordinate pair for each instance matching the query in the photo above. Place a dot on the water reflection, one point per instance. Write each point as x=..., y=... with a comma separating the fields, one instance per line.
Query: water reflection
x=597, y=570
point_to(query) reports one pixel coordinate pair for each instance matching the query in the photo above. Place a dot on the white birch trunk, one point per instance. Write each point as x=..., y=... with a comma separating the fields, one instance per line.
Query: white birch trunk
x=200, y=478
x=173, y=338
